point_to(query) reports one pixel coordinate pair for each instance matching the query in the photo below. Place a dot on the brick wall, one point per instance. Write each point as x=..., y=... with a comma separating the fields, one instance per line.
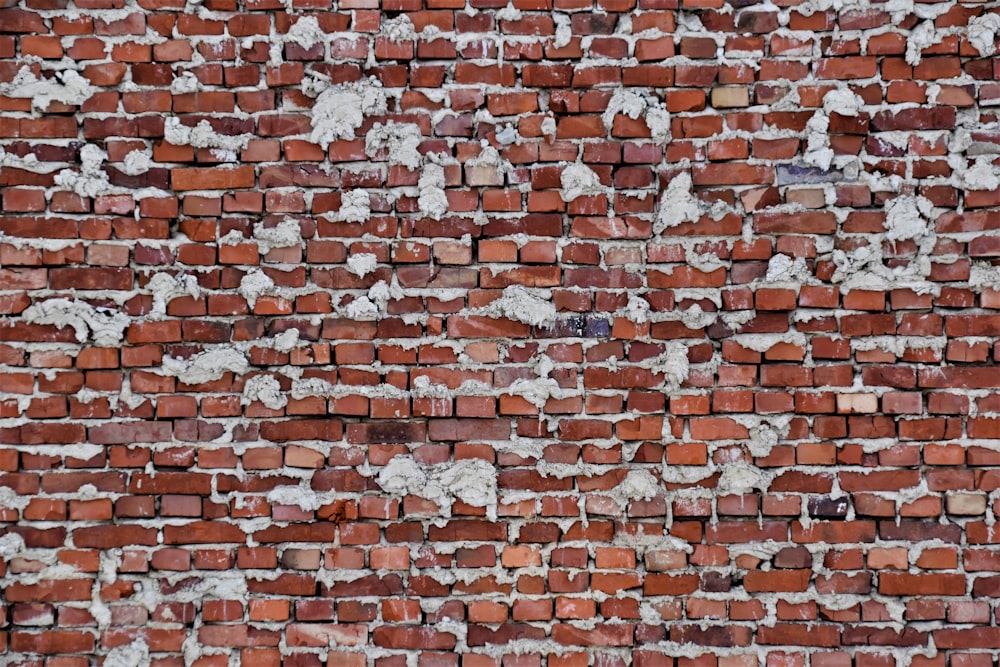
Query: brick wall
x=478, y=335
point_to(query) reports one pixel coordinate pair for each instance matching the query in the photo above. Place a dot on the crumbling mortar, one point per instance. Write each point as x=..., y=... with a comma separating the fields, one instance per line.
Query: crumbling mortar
x=857, y=344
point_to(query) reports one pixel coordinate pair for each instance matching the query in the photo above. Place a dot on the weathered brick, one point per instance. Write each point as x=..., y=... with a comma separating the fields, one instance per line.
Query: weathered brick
x=476, y=369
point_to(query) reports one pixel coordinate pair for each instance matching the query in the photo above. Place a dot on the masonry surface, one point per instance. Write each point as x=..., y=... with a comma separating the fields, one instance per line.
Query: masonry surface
x=461, y=333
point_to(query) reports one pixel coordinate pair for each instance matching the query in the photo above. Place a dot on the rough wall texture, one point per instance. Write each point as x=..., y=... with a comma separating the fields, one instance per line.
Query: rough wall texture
x=439, y=334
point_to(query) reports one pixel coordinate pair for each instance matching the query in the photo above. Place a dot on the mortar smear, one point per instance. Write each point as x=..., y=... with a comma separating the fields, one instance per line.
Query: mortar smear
x=341, y=109
x=677, y=204
x=66, y=87
x=104, y=327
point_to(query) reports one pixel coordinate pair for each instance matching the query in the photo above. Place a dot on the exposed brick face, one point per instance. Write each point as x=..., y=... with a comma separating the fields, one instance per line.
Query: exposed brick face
x=481, y=333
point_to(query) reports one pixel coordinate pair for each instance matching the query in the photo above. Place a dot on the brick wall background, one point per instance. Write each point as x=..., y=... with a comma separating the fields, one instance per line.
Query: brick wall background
x=475, y=334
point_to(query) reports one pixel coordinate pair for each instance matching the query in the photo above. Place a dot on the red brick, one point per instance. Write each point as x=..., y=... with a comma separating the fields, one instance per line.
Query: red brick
x=212, y=178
